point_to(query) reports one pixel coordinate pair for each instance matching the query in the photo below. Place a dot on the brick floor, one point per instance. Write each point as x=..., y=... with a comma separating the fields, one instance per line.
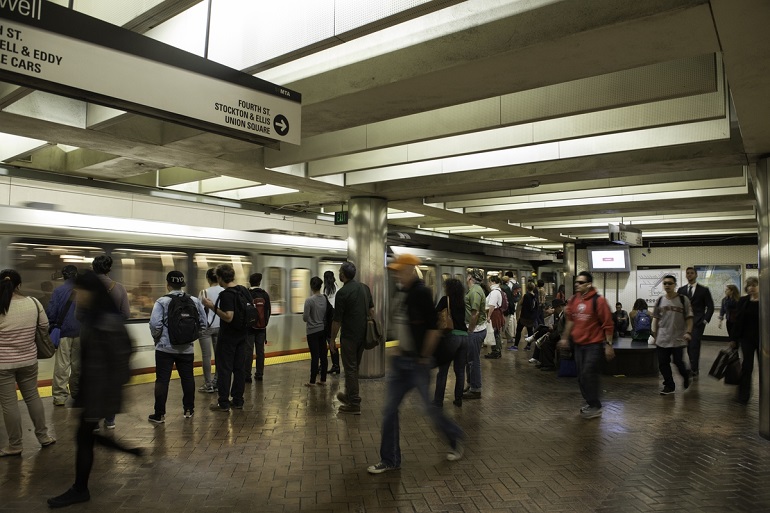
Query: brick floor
x=527, y=450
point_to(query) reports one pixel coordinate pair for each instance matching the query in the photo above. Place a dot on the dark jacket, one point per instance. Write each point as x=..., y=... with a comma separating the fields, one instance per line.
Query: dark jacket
x=702, y=303
x=420, y=312
x=70, y=327
x=105, y=350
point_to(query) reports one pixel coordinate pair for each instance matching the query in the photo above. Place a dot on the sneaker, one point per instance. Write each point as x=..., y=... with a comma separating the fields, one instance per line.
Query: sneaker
x=687, y=381
x=584, y=408
x=219, y=407
x=667, y=391
x=47, y=441
x=236, y=406
x=188, y=414
x=381, y=467
x=109, y=424
x=494, y=355
x=591, y=412
x=68, y=498
x=533, y=360
x=529, y=339
x=208, y=389
x=342, y=397
x=458, y=403
x=455, y=452
x=59, y=402
x=156, y=418
x=470, y=394
x=513, y=348
x=352, y=409
x=7, y=451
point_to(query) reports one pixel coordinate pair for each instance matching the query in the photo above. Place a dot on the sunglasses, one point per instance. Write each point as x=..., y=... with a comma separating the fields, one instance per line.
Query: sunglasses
x=669, y=283
x=580, y=282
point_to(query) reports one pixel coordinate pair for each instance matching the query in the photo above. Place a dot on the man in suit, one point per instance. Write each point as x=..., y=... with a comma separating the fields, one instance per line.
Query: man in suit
x=702, y=309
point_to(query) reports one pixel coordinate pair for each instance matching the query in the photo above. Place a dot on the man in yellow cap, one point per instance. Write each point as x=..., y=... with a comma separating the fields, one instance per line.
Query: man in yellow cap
x=415, y=320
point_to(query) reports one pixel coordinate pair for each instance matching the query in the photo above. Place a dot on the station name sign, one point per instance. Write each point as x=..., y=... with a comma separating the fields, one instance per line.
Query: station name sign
x=49, y=47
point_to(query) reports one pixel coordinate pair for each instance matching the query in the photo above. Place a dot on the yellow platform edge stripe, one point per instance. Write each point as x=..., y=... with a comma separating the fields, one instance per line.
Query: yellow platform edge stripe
x=140, y=379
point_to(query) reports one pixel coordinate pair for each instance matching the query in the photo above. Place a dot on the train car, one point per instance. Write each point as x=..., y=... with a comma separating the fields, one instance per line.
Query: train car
x=39, y=243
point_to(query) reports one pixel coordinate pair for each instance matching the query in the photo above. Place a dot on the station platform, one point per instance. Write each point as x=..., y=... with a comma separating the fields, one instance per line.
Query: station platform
x=527, y=449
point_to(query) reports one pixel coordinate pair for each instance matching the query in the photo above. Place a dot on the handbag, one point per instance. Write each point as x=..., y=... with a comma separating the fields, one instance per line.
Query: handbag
x=733, y=371
x=45, y=348
x=373, y=333
x=725, y=358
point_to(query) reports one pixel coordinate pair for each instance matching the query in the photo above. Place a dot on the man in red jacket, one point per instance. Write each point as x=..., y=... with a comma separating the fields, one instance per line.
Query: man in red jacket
x=589, y=323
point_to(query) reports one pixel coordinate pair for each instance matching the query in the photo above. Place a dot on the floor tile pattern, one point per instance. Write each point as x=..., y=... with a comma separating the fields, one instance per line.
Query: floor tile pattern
x=527, y=450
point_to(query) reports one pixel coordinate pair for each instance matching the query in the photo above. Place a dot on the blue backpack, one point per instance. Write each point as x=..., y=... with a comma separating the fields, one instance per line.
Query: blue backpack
x=642, y=321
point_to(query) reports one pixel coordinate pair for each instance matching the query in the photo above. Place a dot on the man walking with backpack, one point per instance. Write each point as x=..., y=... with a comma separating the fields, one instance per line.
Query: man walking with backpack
x=176, y=322
x=672, y=330
x=589, y=323
x=236, y=313
x=257, y=334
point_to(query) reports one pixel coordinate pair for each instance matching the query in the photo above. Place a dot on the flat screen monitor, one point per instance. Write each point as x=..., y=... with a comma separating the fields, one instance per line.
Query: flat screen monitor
x=612, y=259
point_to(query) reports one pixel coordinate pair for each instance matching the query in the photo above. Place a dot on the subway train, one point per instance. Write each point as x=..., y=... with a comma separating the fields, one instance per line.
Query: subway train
x=39, y=243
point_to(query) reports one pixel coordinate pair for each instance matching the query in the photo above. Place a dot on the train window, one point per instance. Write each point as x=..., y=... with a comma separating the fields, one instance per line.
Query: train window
x=445, y=277
x=40, y=265
x=461, y=278
x=204, y=261
x=300, y=289
x=143, y=273
x=274, y=282
x=428, y=275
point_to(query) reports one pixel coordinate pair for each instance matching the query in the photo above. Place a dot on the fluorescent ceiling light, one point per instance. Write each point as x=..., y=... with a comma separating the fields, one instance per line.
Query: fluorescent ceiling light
x=403, y=215
x=13, y=146
x=258, y=191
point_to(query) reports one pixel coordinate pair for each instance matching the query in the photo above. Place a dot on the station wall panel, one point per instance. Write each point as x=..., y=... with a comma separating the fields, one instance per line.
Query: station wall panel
x=623, y=287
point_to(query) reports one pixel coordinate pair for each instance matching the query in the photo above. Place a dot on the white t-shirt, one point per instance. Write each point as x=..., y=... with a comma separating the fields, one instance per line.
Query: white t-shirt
x=212, y=319
x=495, y=297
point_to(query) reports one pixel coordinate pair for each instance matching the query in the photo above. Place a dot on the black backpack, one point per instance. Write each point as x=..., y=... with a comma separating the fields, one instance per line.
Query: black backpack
x=245, y=314
x=182, y=320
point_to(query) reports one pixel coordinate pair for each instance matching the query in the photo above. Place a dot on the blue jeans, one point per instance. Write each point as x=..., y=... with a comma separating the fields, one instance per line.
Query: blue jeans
x=475, y=341
x=588, y=358
x=407, y=373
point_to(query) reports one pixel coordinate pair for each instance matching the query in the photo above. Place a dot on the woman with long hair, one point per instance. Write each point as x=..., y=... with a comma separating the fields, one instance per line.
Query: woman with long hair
x=641, y=321
x=105, y=352
x=727, y=311
x=19, y=318
x=456, y=342
x=330, y=291
x=746, y=336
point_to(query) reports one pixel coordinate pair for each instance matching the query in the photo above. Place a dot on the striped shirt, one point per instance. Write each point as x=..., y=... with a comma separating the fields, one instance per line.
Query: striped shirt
x=17, y=332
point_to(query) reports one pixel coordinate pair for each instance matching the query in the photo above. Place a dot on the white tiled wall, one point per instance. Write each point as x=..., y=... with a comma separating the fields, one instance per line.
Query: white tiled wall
x=622, y=286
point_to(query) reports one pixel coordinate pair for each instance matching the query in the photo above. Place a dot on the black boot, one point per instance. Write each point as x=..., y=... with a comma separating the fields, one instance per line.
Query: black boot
x=335, y=364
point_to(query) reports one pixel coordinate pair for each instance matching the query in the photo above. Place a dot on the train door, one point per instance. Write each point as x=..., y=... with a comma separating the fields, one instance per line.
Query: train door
x=287, y=280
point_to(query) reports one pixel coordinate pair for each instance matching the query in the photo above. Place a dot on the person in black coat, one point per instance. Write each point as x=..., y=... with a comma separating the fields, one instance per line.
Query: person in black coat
x=746, y=335
x=105, y=352
x=702, y=310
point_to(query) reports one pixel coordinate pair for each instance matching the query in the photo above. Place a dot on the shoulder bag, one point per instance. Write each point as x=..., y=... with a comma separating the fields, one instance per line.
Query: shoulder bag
x=445, y=318
x=45, y=348
x=374, y=335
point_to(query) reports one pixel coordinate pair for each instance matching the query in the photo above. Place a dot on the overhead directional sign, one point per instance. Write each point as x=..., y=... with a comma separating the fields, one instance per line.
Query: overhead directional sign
x=49, y=47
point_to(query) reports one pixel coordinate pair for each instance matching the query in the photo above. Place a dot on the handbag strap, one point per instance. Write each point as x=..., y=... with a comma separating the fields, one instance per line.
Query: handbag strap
x=38, y=306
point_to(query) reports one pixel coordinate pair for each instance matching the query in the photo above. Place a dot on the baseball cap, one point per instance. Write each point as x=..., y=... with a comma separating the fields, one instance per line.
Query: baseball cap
x=403, y=260
x=175, y=278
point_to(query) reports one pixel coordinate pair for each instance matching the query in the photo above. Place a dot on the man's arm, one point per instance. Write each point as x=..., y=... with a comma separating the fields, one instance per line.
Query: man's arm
x=709, y=307
x=156, y=320
x=335, y=330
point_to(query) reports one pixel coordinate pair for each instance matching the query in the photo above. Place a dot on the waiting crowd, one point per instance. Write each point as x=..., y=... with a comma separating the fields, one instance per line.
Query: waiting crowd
x=571, y=336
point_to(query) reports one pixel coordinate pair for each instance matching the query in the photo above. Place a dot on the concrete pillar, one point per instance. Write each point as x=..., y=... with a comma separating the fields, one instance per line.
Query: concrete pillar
x=760, y=178
x=367, y=234
x=570, y=267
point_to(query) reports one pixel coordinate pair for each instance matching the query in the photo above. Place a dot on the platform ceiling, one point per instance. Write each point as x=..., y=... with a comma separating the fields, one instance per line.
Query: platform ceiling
x=531, y=122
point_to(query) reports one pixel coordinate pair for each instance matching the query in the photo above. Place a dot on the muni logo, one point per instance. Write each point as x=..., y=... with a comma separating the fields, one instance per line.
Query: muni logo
x=29, y=8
